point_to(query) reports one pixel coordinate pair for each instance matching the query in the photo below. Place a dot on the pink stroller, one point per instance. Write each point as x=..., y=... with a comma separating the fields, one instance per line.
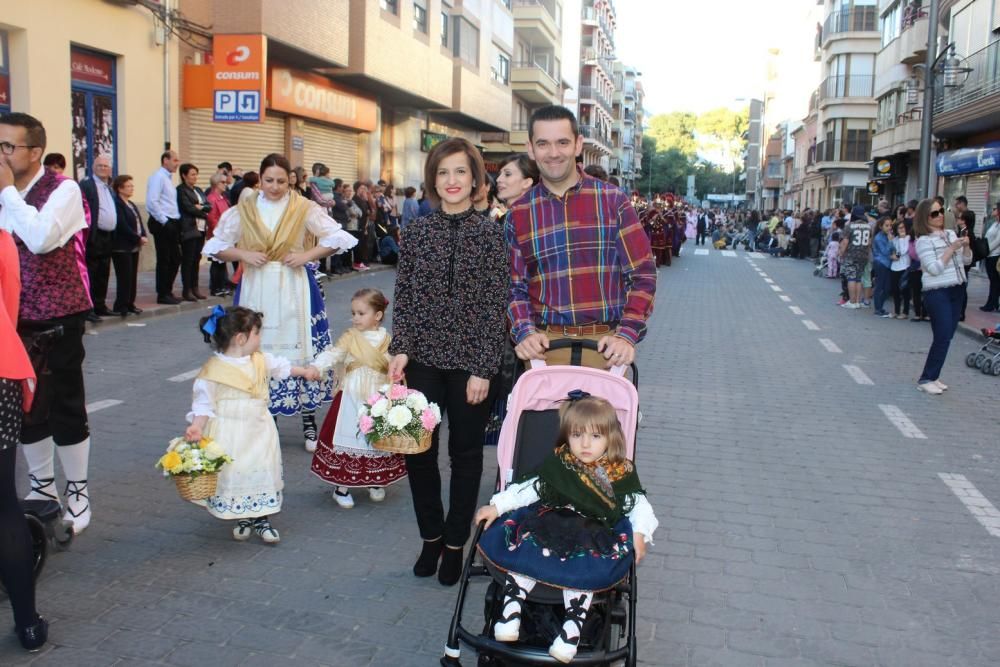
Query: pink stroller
x=526, y=437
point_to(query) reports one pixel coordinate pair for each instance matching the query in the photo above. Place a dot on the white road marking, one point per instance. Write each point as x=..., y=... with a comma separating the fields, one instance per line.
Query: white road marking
x=829, y=345
x=761, y=273
x=768, y=281
x=784, y=297
x=100, y=405
x=974, y=501
x=776, y=288
x=757, y=255
x=796, y=310
x=184, y=377
x=729, y=253
x=136, y=324
x=701, y=251
x=810, y=325
x=858, y=375
x=902, y=422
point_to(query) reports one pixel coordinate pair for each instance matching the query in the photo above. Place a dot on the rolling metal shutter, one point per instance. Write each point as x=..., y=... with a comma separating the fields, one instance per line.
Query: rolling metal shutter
x=977, y=190
x=336, y=148
x=242, y=144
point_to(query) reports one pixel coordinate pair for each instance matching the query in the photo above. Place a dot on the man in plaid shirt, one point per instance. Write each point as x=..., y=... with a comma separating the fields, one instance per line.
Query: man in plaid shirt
x=581, y=265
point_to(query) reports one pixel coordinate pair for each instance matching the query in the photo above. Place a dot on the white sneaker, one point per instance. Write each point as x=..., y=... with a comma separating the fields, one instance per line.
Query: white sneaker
x=563, y=651
x=941, y=385
x=266, y=531
x=310, y=445
x=243, y=530
x=930, y=388
x=376, y=494
x=343, y=498
x=507, y=632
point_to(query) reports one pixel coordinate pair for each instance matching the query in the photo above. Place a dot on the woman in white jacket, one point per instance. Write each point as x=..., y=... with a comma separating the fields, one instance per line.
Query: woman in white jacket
x=943, y=257
x=992, y=234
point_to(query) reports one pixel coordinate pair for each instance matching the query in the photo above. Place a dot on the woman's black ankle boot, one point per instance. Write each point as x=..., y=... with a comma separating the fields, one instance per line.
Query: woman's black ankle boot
x=427, y=563
x=34, y=636
x=451, y=566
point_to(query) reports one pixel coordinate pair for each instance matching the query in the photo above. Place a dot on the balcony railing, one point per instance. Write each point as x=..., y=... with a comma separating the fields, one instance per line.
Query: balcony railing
x=859, y=19
x=983, y=80
x=847, y=86
x=592, y=93
x=911, y=15
x=590, y=14
x=597, y=134
x=527, y=64
x=844, y=151
x=536, y=3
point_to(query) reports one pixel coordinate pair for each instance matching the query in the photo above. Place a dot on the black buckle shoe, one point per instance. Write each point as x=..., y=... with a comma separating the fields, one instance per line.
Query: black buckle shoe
x=33, y=637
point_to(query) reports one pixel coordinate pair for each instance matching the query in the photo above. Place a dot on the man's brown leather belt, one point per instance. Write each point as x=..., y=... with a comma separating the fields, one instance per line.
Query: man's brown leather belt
x=582, y=330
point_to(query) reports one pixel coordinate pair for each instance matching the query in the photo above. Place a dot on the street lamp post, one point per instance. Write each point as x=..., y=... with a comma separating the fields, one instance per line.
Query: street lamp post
x=953, y=74
x=923, y=182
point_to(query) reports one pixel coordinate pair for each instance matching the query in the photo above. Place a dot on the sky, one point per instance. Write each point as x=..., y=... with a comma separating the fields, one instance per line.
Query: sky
x=697, y=55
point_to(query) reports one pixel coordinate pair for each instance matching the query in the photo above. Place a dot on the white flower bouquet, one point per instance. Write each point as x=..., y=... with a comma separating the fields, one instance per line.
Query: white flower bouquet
x=194, y=466
x=397, y=419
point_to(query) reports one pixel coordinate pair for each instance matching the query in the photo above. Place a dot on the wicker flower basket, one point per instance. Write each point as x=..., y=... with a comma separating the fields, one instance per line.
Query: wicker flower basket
x=198, y=487
x=403, y=444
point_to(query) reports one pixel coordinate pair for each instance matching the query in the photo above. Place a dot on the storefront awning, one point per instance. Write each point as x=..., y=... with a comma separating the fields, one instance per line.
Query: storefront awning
x=969, y=160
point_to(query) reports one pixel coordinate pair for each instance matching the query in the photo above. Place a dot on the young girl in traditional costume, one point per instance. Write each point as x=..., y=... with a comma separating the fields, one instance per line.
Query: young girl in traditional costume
x=574, y=525
x=230, y=406
x=361, y=358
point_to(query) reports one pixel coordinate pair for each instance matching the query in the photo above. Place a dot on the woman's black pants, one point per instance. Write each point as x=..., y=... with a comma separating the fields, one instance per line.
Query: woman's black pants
x=466, y=425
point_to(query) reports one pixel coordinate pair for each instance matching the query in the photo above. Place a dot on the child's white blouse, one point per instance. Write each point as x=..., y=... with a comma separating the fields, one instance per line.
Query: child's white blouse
x=203, y=401
x=521, y=495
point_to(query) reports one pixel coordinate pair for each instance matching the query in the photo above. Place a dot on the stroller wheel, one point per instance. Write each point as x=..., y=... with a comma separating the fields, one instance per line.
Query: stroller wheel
x=987, y=368
x=980, y=360
x=970, y=360
x=39, y=544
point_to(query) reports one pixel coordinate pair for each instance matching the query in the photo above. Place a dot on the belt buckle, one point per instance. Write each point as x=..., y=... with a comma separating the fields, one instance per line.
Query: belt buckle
x=565, y=331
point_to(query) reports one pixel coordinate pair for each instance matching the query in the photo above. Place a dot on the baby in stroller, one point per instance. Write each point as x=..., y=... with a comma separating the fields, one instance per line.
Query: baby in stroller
x=575, y=525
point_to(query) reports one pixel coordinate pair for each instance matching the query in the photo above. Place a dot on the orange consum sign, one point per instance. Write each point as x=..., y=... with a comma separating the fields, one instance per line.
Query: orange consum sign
x=240, y=63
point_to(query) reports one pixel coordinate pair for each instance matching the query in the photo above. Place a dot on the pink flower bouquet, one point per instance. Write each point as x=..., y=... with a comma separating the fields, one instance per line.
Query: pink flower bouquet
x=398, y=419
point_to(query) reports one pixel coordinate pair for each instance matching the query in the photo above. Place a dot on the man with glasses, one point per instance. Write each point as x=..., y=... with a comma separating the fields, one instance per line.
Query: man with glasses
x=96, y=190
x=45, y=213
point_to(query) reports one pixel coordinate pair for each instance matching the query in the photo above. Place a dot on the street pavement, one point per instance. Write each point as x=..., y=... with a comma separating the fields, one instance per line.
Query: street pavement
x=815, y=508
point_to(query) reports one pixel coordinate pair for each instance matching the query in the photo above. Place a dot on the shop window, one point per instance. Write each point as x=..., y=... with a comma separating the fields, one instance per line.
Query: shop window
x=94, y=109
x=994, y=196
x=419, y=18
x=4, y=75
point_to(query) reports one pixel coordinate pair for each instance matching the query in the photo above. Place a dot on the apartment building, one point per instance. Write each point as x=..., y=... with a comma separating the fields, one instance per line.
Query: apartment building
x=93, y=73
x=895, y=155
x=369, y=101
x=846, y=104
x=966, y=120
x=626, y=133
x=535, y=73
x=596, y=89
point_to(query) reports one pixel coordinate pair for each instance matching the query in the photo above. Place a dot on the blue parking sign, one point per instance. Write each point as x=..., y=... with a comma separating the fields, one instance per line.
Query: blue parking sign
x=236, y=106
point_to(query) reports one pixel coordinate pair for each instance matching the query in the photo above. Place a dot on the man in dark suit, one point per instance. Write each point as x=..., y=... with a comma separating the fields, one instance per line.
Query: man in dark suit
x=193, y=206
x=96, y=190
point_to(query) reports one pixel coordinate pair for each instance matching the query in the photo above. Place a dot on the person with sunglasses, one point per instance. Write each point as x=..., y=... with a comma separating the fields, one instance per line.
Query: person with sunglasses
x=943, y=256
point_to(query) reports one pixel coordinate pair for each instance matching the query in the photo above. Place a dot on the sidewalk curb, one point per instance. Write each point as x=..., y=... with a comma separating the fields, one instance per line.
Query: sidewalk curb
x=157, y=310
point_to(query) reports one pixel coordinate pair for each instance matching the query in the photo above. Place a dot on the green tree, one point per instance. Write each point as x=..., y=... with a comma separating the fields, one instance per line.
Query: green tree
x=719, y=135
x=674, y=131
x=666, y=171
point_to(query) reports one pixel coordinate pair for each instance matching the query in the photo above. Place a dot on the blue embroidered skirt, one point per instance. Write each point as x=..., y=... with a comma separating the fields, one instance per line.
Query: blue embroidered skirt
x=559, y=547
x=293, y=395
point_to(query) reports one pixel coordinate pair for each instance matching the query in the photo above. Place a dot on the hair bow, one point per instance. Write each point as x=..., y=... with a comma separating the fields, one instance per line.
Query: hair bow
x=212, y=323
x=577, y=394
